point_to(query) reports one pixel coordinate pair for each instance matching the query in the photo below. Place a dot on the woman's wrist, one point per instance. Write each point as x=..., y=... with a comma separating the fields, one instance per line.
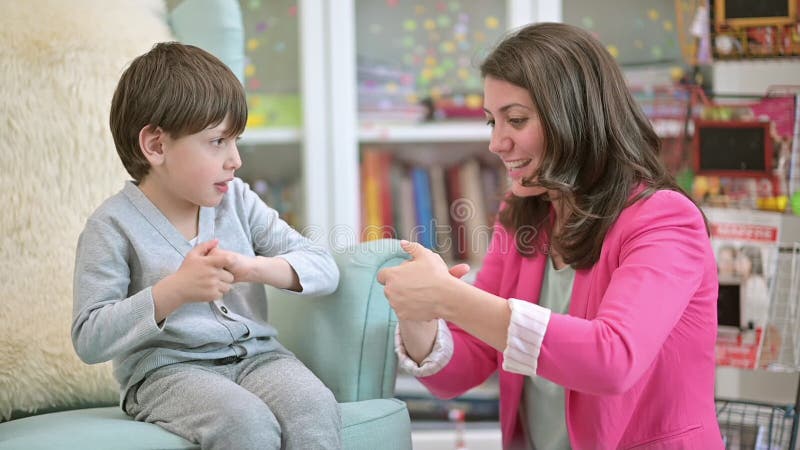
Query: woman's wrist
x=453, y=289
x=418, y=337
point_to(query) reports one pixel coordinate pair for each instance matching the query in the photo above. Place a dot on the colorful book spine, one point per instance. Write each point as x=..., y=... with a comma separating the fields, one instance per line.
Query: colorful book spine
x=422, y=203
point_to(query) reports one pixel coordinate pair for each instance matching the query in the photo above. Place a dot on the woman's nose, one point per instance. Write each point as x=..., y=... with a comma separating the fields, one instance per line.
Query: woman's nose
x=499, y=143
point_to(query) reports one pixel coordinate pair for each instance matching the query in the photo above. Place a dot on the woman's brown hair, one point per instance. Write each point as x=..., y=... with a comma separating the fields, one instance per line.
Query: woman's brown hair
x=180, y=88
x=599, y=146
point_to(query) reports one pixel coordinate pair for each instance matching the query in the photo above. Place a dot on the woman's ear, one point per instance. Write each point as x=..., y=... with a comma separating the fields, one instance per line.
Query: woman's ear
x=151, y=143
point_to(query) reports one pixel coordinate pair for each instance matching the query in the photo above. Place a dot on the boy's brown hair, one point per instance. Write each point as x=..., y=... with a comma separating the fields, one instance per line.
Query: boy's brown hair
x=180, y=88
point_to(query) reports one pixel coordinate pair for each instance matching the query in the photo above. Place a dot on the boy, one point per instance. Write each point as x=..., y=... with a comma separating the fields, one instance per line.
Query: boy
x=169, y=271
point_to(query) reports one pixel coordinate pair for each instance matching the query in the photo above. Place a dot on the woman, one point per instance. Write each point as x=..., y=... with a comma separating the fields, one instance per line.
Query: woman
x=597, y=299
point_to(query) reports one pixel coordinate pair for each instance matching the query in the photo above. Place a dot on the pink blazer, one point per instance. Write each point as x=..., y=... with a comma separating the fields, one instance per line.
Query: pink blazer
x=636, y=351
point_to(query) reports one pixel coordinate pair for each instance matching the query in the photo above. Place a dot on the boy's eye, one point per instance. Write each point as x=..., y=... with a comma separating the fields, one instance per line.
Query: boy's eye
x=218, y=142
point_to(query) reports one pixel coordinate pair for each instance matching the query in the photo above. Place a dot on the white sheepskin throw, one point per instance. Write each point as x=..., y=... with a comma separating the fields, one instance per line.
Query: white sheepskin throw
x=59, y=64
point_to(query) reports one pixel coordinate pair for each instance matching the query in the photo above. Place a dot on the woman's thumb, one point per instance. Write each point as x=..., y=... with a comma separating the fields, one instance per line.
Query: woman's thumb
x=412, y=248
x=459, y=270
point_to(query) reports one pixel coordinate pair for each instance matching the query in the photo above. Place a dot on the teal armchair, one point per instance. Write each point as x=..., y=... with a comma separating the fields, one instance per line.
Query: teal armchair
x=346, y=338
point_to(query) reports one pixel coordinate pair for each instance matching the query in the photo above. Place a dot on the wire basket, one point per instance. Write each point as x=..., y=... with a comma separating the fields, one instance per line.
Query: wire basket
x=764, y=426
x=781, y=346
x=756, y=426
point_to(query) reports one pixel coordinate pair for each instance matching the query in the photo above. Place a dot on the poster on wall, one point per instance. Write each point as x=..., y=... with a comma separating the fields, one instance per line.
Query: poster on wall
x=746, y=246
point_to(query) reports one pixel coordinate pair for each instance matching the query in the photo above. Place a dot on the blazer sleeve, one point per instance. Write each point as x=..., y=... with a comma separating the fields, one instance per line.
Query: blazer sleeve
x=662, y=259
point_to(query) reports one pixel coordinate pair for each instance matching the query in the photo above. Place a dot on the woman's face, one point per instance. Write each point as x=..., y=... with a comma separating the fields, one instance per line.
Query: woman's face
x=517, y=133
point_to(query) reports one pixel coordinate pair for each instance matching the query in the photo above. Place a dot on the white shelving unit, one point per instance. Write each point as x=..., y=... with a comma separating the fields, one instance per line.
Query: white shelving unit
x=342, y=129
x=271, y=136
x=473, y=131
x=347, y=134
x=327, y=146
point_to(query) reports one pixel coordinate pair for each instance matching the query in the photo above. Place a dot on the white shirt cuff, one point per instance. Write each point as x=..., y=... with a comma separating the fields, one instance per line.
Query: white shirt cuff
x=525, y=336
x=440, y=355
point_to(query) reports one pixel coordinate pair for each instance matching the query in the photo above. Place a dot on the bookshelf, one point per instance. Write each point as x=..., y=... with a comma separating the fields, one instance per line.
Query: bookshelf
x=404, y=54
x=274, y=150
x=426, y=144
x=350, y=134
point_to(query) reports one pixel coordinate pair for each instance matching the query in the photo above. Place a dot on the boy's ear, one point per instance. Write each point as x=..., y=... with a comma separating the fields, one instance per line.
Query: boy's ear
x=151, y=143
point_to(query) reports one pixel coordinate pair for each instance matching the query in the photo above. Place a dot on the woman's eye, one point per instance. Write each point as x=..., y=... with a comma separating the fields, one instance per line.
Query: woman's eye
x=518, y=121
x=490, y=122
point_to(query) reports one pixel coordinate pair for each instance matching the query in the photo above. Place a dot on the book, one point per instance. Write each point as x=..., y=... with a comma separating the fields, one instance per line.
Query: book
x=371, y=196
x=423, y=208
x=476, y=227
x=454, y=199
x=746, y=246
x=406, y=211
x=441, y=209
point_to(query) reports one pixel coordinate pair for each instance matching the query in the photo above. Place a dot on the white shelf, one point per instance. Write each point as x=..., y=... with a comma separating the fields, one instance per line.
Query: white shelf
x=409, y=386
x=471, y=131
x=669, y=128
x=476, y=437
x=270, y=136
x=753, y=76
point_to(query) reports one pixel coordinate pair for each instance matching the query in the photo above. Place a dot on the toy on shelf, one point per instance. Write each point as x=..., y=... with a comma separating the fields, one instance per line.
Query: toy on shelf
x=756, y=29
x=745, y=154
x=457, y=416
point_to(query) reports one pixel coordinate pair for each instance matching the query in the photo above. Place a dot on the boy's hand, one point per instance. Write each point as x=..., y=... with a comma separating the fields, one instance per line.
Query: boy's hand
x=240, y=266
x=200, y=278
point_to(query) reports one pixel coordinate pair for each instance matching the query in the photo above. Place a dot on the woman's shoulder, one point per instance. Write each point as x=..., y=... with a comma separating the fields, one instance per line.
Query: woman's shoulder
x=662, y=208
x=663, y=202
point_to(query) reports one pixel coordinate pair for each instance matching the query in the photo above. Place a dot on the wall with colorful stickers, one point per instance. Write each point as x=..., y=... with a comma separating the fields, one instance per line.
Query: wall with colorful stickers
x=272, y=72
x=636, y=32
x=409, y=51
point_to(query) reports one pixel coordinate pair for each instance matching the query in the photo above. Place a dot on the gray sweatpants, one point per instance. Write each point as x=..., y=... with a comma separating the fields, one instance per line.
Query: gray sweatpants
x=268, y=401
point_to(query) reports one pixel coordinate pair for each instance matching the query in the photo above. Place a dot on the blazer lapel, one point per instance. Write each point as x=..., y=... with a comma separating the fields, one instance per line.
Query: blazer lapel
x=579, y=302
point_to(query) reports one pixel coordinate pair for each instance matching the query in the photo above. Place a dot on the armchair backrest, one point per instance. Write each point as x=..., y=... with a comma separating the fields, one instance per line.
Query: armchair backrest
x=346, y=338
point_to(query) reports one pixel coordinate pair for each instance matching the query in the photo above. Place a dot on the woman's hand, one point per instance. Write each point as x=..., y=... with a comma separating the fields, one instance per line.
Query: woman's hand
x=417, y=288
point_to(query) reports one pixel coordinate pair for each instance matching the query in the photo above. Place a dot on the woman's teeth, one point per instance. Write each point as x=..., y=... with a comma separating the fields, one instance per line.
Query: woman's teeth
x=517, y=164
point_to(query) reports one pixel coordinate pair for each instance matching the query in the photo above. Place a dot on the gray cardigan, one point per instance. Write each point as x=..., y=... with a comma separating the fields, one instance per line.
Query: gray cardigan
x=128, y=245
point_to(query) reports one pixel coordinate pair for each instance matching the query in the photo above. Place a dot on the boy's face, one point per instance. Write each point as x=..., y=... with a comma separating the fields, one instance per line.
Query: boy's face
x=198, y=167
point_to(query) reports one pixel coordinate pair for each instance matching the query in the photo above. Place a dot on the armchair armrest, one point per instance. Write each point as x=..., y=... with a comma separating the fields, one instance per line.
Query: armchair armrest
x=346, y=338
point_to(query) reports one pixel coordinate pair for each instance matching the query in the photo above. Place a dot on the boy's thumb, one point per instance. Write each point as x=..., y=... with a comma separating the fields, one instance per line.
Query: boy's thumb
x=204, y=248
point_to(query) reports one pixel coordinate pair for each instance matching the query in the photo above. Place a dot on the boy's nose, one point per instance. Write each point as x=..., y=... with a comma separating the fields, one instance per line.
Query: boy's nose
x=235, y=160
